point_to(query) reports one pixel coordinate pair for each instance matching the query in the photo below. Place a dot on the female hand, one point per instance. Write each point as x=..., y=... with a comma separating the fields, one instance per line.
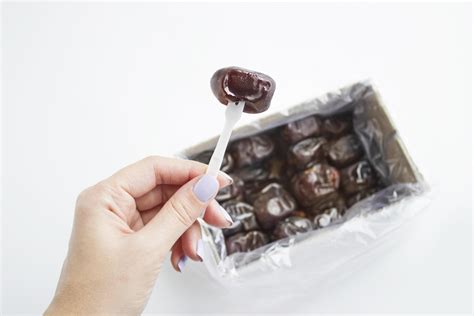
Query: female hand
x=124, y=227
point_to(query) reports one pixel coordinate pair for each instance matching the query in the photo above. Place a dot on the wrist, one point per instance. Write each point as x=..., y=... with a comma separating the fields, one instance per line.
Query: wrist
x=65, y=302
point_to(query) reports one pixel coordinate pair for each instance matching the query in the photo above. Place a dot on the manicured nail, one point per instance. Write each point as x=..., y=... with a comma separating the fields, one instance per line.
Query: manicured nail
x=200, y=249
x=182, y=263
x=227, y=177
x=206, y=188
x=226, y=215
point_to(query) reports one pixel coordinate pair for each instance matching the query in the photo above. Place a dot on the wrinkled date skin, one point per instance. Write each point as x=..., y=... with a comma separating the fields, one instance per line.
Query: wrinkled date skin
x=233, y=84
x=276, y=169
x=249, y=174
x=252, y=189
x=334, y=127
x=255, y=180
x=315, y=183
x=298, y=213
x=358, y=177
x=227, y=162
x=244, y=242
x=333, y=200
x=292, y=226
x=273, y=204
x=310, y=150
x=251, y=150
x=298, y=130
x=243, y=216
x=345, y=151
x=235, y=190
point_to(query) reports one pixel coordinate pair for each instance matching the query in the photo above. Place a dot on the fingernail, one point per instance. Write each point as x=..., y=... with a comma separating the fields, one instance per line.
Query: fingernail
x=206, y=188
x=228, y=178
x=200, y=249
x=226, y=215
x=182, y=263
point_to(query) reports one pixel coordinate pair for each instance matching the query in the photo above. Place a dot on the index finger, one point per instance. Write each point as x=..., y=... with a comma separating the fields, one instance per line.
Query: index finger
x=144, y=175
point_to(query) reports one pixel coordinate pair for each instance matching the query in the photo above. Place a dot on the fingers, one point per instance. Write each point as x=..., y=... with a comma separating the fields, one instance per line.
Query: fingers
x=191, y=242
x=217, y=216
x=214, y=215
x=180, y=211
x=178, y=259
x=148, y=215
x=143, y=176
x=155, y=197
x=188, y=246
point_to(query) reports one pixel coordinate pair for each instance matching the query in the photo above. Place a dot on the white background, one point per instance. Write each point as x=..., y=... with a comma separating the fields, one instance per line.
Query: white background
x=89, y=88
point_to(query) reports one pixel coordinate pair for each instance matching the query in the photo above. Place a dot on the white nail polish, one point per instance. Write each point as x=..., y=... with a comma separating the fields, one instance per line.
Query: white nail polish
x=182, y=263
x=226, y=215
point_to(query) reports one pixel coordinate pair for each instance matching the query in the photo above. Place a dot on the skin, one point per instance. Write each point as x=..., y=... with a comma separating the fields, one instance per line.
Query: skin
x=124, y=227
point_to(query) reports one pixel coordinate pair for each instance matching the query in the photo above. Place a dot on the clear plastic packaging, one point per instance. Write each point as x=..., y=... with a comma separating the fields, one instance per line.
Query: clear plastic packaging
x=315, y=255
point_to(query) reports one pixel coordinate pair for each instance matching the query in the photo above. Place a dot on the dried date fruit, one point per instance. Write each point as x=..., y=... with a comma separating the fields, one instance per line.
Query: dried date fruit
x=333, y=200
x=292, y=226
x=273, y=204
x=251, y=150
x=336, y=126
x=245, y=242
x=301, y=129
x=326, y=218
x=243, y=216
x=306, y=151
x=233, y=191
x=345, y=151
x=358, y=177
x=315, y=183
x=233, y=84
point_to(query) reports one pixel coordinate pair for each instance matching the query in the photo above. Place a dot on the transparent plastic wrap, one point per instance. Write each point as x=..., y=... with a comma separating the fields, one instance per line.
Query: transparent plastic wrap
x=313, y=255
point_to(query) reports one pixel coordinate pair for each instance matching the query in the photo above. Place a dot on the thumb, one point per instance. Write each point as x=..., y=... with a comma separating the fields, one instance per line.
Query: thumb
x=181, y=211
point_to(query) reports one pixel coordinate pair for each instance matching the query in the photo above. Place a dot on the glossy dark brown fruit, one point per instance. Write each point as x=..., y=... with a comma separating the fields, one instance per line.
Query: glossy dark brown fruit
x=233, y=84
x=251, y=150
x=358, y=177
x=333, y=200
x=252, y=189
x=233, y=191
x=243, y=216
x=255, y=179
x=276, y=168
x=249, y=174
x=345, y=151
x=273, y=204
x=234, y=228
x=244, y=242
x=292, y=226
x=298, y=213
x=301, y=129
x=227, y=162
x=336, y=126
x=307, y=151
x=315, y=183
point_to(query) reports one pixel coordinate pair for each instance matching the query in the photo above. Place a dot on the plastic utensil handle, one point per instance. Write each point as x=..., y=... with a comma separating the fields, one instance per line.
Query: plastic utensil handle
x=232, y=115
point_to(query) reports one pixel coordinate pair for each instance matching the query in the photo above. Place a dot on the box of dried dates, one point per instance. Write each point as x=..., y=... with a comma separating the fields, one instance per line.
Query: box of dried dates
x=314, y=186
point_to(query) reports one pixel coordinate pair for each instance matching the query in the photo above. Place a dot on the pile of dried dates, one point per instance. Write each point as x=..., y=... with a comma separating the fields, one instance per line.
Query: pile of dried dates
x=293, y=179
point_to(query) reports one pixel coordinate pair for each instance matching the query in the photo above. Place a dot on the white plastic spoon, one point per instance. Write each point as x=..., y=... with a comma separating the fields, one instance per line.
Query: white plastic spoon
x=232, y=115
